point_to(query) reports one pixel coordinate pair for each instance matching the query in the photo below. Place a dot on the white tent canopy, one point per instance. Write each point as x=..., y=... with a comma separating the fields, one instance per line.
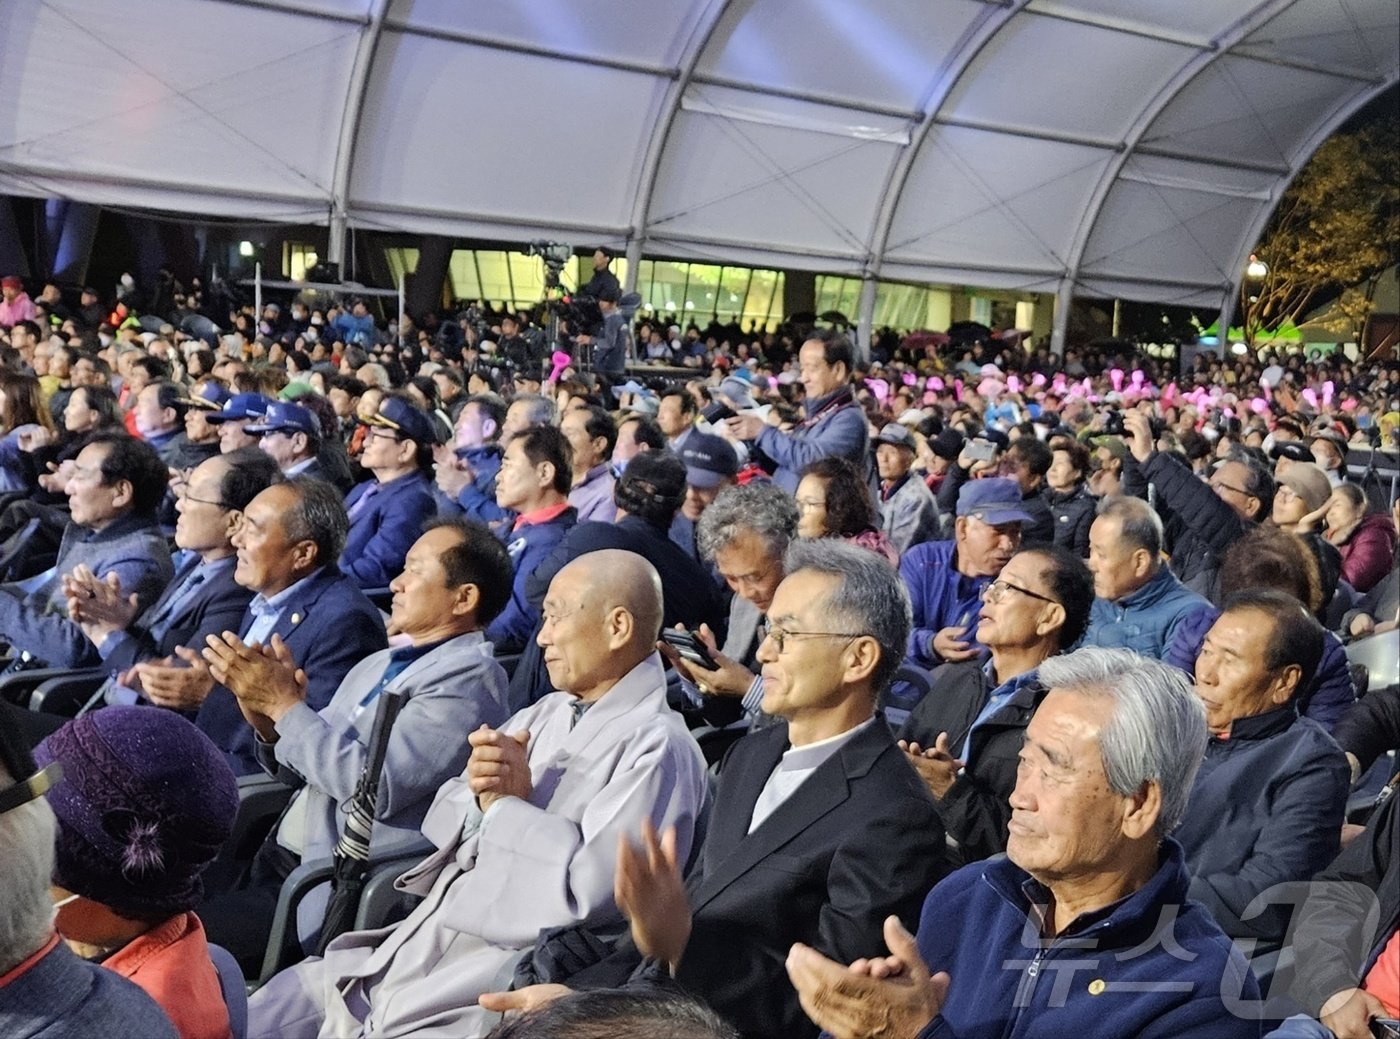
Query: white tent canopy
x=1126, y=148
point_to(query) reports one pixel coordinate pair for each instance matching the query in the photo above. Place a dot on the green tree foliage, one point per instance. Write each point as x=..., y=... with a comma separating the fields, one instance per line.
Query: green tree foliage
x=1336, y=230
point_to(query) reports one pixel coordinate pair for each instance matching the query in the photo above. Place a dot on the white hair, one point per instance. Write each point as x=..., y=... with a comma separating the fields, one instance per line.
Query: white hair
x=26, y=869
x=1157, y=730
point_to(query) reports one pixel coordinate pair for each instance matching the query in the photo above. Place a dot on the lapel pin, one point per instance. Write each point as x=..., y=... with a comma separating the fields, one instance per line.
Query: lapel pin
x=296, y=618
x=1097, y=987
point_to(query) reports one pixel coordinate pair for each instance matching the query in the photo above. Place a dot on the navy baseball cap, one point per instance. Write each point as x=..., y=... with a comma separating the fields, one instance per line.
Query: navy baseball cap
x=709, y=460
x=286, y=417
x=403, y=417
x=211, y=397
x=995, y=501
x=240, y=407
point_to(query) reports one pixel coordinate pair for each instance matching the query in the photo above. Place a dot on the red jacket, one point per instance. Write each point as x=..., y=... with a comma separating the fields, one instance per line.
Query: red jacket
x=1368, y=553
x=171, y=963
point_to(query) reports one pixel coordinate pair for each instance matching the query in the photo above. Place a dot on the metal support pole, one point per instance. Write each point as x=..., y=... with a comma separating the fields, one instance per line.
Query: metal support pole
x=257, y=293
x=865, y=318
x=401, y=307
x=1064, y=295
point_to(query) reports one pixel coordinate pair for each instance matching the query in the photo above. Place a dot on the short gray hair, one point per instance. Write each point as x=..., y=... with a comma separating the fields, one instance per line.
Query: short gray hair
x=869, y=600
x=1157, y=731
x=26, y=869
x=1139, y=524
x=542, y=411
x=758, y=508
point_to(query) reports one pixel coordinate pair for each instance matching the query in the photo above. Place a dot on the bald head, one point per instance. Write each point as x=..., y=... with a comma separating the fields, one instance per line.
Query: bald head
x=602, y=616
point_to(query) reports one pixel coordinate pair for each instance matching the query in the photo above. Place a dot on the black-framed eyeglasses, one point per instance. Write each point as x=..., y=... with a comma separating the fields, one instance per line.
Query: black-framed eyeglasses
x=186, y=496
x=1219, y=485
x=781, y=635
x=996, y=592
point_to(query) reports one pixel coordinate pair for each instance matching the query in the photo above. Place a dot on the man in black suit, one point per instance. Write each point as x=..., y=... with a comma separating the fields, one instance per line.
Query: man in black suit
x=820, y=827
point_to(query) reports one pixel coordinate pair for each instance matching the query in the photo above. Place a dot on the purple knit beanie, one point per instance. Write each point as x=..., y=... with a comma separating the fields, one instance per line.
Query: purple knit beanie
x=145, y=804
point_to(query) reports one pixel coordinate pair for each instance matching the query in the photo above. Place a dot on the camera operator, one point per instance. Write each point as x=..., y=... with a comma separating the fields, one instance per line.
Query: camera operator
x=521, y=352
x=603, y=279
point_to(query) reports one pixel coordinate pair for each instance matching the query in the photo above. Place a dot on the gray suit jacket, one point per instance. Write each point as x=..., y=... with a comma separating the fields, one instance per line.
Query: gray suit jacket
x=451, y=691
x=910, y=516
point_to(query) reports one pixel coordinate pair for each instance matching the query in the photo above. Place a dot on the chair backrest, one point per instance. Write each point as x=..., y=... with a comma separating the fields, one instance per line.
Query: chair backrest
x=234, y=989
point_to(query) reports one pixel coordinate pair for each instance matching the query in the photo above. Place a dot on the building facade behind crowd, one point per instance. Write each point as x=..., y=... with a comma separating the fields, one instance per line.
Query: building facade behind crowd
x=916, y=599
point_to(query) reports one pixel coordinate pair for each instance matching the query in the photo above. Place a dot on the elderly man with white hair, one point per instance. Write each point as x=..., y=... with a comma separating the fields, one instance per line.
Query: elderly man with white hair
x=1085, y=928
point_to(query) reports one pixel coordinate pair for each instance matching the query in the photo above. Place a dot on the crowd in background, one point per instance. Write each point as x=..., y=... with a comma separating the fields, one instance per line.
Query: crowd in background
x=958, y=611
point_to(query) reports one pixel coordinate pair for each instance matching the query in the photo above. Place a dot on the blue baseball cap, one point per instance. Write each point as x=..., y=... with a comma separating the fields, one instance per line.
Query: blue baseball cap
x=286, y=417
x=994, y=501
x=240, y=407
x=403, y=417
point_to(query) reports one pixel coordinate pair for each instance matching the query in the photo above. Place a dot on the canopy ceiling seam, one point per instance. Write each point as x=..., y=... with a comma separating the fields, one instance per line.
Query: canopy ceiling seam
x=960, y=58
x=299, y=12
x=356, y=91
x=398, y=25
x=1195, y=66
x=176, y=92
x=701, y=33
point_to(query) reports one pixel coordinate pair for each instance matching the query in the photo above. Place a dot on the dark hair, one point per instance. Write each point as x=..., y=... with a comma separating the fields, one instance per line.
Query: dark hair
x=250, y=472
x=299, y=360
x=1034, y=453
x=1195, y=445
x=99, y=364
x=836, y=347
x=206, y=361
x=850, y=510
x=600, y=424
x=1258, y=482
x=24, y=400
x=318, y=516
x=1071, y=584
x=452, y=375
x=548, y=444
x=136, y=462
x=347, y=384
x=688, y=403
x=356, y=357
x=1266, y=557
x=171, y=395
x=1295, y=638
x=425, y=385
x=652, y=487
x=478, y=558
x=633, y=1013
x=491, y=405
x=647, y=434
x=1078, y=454
x=155, y=368
x=103, y=401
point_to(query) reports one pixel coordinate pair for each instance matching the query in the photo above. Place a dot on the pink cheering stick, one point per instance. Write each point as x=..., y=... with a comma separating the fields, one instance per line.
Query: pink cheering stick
x=1013, y=384
x=1116, y=377
x=910, y=378
x=1258, y=405
x=561, y=361
x=880, y=388
x=936, y=384
x=1037, y=380
x=1310, y=395
x=957, y=389
x=1327, y=391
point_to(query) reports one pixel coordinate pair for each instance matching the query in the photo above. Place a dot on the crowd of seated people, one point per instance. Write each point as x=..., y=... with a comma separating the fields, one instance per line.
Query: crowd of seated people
x=782, y=690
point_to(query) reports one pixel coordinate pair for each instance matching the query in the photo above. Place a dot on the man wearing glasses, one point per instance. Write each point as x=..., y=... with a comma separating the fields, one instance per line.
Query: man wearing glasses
x=820, y=828
x=965, y=735
x=291, y=436
x=203, y=598
x=1200, y=521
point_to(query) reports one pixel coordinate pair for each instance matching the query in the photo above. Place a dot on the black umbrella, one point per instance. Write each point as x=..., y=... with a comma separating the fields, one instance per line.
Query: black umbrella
x=351, y=853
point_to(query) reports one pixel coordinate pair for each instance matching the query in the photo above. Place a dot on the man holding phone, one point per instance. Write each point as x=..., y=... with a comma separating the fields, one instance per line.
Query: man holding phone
x=945, y=578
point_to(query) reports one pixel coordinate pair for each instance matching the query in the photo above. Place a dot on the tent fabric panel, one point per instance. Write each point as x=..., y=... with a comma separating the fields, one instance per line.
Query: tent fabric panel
x=1032, y=76
x=640, y=31
x=986, y=198
x=982, y=277
x=1249, y=111
x=1199, y=19
x=1207, y=296
x=428, y=140
x=880, y=54
x=182, y=114
x=799, y=186
x=1356, y=35
x=1153, y=231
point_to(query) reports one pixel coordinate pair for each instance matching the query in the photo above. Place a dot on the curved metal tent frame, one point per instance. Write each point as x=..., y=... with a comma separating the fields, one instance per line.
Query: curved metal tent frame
x=1124, y=148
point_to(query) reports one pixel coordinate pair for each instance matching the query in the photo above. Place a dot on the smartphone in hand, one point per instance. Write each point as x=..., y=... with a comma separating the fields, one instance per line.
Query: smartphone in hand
x=690, y=648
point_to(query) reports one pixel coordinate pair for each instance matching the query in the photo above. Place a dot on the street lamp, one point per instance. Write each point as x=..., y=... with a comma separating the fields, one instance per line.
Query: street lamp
x=1254, y=274
x=1257, y=270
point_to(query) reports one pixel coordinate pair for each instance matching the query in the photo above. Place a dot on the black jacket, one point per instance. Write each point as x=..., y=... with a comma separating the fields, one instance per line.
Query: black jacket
x=975, y=810
x=1074, y=515
x=856, y=842
x=1199, y=525
x=1267, y=808
x=1371, y=726
x=1334, y=942
x=689, y=595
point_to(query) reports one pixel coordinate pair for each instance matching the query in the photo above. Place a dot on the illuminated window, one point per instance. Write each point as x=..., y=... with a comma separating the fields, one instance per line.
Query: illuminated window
x=401, y=262
x=297, y=259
